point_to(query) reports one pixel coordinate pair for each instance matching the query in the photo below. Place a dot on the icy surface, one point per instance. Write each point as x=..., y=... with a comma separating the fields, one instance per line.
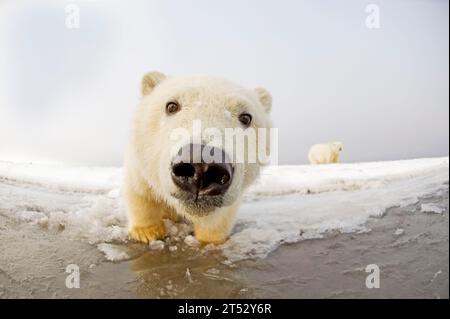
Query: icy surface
x=156, y=245
x=82, y=179
x=431, y=208
x=287, y=204
x=113, y=252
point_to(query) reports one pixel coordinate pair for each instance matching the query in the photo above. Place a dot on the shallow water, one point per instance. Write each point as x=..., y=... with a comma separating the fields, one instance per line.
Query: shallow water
x=413, y=263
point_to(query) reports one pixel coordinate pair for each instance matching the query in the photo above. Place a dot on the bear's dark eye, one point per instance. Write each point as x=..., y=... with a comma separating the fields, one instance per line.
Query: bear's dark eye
x=172, y=107
x=245, y=119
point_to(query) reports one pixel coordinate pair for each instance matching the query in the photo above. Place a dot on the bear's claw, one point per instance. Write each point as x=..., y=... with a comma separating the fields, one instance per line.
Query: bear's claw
x=147, y=234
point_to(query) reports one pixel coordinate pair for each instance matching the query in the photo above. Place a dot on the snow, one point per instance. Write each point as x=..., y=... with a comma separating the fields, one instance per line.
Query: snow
x=65, y=178
x=287, y=204
x=173, y=248
x=191, y=241
x=188, y=276
x=156, y=245
x=113, y=252
x=306, y=179
x=431, y=208
x=274, y=181
x=265, y=224
x=436, y=275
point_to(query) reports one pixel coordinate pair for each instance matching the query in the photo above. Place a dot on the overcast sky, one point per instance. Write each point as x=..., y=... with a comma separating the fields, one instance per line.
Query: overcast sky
x=67, y=95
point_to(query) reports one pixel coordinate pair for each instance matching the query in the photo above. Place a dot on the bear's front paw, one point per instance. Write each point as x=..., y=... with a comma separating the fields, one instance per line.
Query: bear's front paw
x=147, y=234
x=214, y=241
x=206, y=237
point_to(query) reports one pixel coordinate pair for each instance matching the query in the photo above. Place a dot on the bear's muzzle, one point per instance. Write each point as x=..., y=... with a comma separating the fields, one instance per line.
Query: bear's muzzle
x=202, y=170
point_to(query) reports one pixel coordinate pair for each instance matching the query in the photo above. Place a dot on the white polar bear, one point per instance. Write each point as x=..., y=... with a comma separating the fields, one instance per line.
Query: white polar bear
x=325, y=153
x=160, y=181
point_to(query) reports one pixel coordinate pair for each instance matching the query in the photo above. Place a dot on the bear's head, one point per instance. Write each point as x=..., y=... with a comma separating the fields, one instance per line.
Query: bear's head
x=337, y=147
x=198, y=140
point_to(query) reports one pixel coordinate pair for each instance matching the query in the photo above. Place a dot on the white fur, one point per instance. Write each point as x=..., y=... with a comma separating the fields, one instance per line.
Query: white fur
x=217, y=103
x=325, y=153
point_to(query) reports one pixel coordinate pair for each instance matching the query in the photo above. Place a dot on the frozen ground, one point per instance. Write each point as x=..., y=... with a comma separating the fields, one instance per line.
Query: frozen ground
x=302, y=231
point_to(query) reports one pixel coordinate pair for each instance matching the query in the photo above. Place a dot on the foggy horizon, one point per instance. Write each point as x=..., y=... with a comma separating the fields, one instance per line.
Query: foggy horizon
x=68, y=95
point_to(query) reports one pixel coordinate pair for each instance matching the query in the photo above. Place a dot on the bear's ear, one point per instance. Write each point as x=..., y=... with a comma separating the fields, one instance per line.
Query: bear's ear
x=150, y=80
x=265, y=98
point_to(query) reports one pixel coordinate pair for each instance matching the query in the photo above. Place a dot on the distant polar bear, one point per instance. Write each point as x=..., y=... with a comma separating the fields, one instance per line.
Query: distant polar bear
x=325, y=153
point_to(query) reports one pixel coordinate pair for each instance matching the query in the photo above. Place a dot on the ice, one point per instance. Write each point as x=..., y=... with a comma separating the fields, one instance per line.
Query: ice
x=66, y=178
x=31, y=216
x=431, y=208
x=274, y=181
x=306, y=179
x=156, y=245
x=287, y=204
x=103, y=221
x=191, y=241
x=171, y=228
x=188, y=276
x=263, y=225
x=113, y=252
x=436, y=275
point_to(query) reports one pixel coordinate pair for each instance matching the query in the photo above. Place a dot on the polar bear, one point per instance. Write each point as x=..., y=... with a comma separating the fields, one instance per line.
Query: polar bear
x=168, y=174
x=325, y=153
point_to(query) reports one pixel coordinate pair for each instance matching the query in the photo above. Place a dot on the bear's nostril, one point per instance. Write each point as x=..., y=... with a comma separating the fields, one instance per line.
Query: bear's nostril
x=183, y=170
x=224, y=179
x=215, y=174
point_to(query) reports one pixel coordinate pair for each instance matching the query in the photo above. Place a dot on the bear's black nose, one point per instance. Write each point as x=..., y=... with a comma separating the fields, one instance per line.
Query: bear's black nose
x=202, y=170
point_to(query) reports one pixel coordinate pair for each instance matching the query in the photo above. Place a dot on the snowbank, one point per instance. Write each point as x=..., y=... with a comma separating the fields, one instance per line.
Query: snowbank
x=65, y=178
x=274, y=180
x=287, y=204
x=306, y=179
